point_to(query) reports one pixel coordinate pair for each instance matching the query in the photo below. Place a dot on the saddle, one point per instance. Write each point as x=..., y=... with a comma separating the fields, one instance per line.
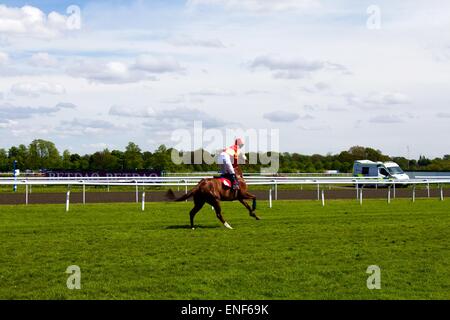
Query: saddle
x=225, y=181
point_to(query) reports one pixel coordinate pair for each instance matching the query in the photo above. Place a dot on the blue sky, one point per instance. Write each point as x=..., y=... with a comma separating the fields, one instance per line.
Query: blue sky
x=46, y=5
x=315, y=70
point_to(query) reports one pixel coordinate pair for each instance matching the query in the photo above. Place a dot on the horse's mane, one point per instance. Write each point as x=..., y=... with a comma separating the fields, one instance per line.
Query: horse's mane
x=238, y=171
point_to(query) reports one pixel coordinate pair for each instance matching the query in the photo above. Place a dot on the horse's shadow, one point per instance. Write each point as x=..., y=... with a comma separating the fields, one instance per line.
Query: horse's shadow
x=189, y=227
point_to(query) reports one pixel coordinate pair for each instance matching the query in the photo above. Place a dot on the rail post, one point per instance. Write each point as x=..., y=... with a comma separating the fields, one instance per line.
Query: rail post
x=67, y=200
x=15, y=175
x=389, y=195
x=414, y=194
x=143, y=201
x=428, y=188
x=442, y=193
x=276, y=190
x=361, y=196
x=270, y=197
x=323, y=198
x=26, y=193
x=137, y=192
x=318, y=191
x=84, y=193
x=357, y=189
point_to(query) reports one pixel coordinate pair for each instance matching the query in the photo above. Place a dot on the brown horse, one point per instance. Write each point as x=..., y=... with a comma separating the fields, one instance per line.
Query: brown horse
x=212, y=191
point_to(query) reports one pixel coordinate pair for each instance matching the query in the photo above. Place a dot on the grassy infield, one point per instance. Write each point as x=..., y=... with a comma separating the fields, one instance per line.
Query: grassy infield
x=299, y=250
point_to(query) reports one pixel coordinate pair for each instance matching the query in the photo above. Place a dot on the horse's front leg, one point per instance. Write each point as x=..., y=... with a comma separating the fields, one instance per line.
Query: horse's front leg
x=251, y=210
x=216, y=204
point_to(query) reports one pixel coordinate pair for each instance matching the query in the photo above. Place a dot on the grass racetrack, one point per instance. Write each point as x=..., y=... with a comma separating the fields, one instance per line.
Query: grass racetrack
x=299, y=250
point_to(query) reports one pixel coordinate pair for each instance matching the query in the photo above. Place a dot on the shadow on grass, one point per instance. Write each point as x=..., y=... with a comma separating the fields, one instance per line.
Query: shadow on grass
x=189, y=227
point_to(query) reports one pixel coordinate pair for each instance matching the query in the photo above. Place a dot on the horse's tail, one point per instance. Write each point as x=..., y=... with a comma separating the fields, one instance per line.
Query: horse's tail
x=170, y=195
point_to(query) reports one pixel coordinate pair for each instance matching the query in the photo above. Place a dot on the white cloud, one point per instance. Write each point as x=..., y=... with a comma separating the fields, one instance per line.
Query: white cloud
x=171, y=119
x=386, y=119
x=35, y=89
x=322, y=128
x=189, y=42
x=443, y=115
x=258, y=5
x=318, y=87
x=97, y=146
x=144, y=68
x=43, y=60
x=78, y=127
x=306, y=117
x=154, y=64
x=388, y=98
x=9, y=111
x=336, y=109
x=212, y=92
x=30, y=21
x=379, y=99
x=123, y=111
x=293, y=68
x=281, y=116
x=106, y=72
x=66, y=105
x=4, y=58
x=7, y=124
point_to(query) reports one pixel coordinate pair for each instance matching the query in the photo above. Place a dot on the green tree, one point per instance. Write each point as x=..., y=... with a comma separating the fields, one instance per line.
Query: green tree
x=43, y=155
x=133, y=157
x=119, y=155
x=162, y=159
x=358, y=153
x=402, y=162
x=19, y=154
x=103, y=160
x=423, y=161
x=4, y=163
x=375, y=155
x=66, y=160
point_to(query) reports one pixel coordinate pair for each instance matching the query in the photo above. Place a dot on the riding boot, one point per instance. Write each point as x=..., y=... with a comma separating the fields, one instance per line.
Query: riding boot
x=234, y=182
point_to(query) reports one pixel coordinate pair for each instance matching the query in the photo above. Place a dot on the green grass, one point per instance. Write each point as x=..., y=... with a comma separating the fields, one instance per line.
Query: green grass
x=299, y=250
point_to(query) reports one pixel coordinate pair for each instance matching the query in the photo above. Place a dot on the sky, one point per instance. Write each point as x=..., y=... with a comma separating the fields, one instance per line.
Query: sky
x=323, y=75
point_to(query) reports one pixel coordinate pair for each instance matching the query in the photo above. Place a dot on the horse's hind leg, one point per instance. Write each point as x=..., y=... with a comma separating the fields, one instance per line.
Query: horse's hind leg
x=216, y=204
x=250, y=210
x=250, y=196
x=198, y=205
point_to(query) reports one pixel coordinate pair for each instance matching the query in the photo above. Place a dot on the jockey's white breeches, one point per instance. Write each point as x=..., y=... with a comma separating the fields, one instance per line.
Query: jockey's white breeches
x=225, y=163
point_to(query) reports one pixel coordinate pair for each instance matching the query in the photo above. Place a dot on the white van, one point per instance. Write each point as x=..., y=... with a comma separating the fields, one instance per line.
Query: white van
x=381, y=170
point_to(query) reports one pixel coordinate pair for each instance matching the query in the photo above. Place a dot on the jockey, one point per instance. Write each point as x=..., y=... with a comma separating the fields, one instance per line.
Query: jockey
x=228, y=157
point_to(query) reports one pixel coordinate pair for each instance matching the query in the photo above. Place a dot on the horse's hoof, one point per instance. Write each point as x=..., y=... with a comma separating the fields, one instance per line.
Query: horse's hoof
x=255, y=216
x=227, y=225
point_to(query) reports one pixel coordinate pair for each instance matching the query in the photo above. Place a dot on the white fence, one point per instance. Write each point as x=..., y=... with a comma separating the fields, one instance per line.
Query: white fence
x=273, y=182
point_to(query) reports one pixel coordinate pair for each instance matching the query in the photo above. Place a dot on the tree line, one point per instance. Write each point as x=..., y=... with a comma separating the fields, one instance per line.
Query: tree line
x=43, y=155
